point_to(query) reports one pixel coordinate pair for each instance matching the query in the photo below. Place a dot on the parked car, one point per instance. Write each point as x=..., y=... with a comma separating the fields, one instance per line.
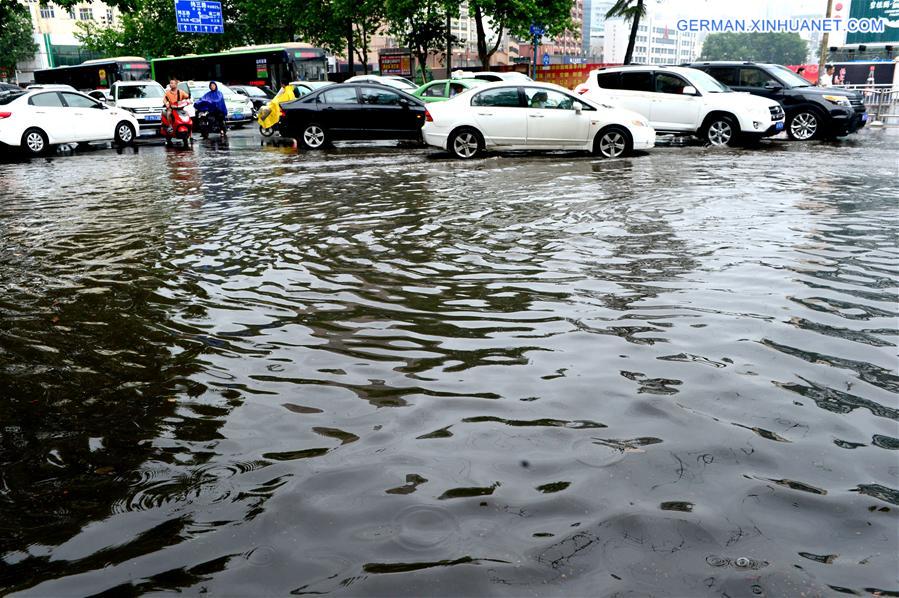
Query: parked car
x=686, y=101
x=39, y=119
x=352, y=111
x=240, y=108
x=811, y=112
x=494, y=76
x=259, y=96
x=537, y=116
x=4, y=87
x=390, y=80
x=302, y=88
x=443, y=89
x=141, y=98
x=56, y=86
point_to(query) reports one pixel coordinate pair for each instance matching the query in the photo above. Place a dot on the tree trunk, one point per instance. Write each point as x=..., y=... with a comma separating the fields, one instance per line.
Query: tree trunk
x=423, y=65
x=351, y=50
x=633, y=38
x=448, y=62
x=482, y=38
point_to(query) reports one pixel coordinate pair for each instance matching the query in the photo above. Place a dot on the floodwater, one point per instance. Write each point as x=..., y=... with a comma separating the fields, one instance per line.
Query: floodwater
x=377, y=371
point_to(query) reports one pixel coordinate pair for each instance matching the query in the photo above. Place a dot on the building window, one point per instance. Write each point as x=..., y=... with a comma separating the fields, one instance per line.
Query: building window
x=47, y=11
x=86, y=14
x=71, y=12
x=109, y=16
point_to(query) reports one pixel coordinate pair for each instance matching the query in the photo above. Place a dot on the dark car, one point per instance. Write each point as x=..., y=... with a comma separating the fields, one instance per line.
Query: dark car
x=259, y=96
x=352, y=111
x=811, y=112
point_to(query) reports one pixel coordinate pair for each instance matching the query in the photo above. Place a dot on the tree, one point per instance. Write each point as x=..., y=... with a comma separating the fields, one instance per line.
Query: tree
x=421, y=25
x=633, y=11
x=515, y=17
x=16, y=43
x=780, y=48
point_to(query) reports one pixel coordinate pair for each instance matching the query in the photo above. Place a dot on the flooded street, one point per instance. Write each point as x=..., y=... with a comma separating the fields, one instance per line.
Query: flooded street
x=377, y=371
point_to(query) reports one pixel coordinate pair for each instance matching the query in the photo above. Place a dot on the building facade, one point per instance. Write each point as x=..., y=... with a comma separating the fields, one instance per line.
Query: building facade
x=595, y=27
x=658, y=42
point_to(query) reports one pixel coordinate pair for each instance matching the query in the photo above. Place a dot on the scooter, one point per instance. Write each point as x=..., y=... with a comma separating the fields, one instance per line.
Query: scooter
x=269, y=116
x=181, y=127
x=208, y=121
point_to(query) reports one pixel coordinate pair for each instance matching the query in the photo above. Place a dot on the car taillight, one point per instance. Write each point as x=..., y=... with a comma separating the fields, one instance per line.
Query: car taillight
x=5, y=114
x=428, y=117
x=283, y=114
x=582, y=91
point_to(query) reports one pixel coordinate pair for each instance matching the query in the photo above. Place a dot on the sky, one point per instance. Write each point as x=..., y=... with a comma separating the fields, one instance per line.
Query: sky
x=729, y=9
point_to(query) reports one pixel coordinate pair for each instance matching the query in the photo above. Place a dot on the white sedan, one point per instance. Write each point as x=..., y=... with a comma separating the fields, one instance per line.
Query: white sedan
x=38, y=119
x=538, y=116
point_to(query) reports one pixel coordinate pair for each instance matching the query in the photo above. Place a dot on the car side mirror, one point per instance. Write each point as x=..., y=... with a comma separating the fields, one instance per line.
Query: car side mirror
x=404, y=102
x=772, y=86
x=578, y=107
x=689, y=90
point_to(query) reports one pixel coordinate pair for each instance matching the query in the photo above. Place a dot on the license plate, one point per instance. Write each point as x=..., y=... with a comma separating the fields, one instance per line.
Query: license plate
x=237, y=116
x=152, y=118
x=778, y=126
x=864, y=117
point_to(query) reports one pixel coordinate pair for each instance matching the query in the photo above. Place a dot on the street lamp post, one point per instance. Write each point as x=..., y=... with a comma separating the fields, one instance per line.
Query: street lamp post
x=537, y=32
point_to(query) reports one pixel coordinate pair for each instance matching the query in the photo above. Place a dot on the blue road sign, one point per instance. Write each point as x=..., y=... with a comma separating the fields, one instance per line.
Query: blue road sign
x=199, y=16
x=545, y=59
x=537, y=30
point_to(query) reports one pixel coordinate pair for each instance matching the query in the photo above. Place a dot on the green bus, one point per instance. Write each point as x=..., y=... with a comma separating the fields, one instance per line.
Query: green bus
x=269, y=65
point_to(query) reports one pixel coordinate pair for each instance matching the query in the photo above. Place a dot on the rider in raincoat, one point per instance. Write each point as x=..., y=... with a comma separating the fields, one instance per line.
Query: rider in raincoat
x=268, y=117
x=214, y=101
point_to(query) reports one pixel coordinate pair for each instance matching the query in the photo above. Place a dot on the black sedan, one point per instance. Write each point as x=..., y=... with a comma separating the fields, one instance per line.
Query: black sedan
x=352, y=111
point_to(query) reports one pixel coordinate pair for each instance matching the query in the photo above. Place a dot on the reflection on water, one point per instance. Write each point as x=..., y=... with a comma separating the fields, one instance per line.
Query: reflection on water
x=241, y=370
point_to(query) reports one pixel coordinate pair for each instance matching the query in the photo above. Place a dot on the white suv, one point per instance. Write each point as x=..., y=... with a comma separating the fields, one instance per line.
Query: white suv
x=143, y=99
x=684, y=100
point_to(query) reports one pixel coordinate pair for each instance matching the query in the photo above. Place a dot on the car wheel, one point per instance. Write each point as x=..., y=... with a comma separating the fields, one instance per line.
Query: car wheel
x=266, y=131
x=612, y=142
x=35, y=142
x=124, y=133
x=314, y=137
x=465, y=144
x=803, y=126
x=721, y=131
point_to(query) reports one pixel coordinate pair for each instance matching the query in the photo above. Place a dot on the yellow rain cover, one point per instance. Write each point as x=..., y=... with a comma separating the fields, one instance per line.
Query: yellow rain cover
x=285, y=95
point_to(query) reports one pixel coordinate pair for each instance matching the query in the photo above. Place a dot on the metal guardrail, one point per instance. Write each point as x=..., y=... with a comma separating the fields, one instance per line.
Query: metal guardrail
x=881, y=102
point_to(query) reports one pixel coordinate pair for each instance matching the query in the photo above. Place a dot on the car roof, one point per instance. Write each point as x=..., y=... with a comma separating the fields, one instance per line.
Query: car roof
x=135, y=83
x=728, y=63
x=682, y=70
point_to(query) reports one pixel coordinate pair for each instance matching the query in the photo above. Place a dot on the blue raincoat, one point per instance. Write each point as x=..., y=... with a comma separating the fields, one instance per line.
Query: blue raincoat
x=215, y=101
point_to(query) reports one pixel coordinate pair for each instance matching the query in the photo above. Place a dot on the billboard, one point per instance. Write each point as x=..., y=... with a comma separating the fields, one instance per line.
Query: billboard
x=395, y=64
x=888, y=10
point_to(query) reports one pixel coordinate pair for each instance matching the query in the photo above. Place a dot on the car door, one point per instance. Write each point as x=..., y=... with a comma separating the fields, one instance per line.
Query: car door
x=90, y=121
x=759, y=83
x=671, y=108
x=552, y=121
x=636, y=92
x=387, y=113
x=500, y=116
x=51, y=115
x=339, y=111
x=435, y=92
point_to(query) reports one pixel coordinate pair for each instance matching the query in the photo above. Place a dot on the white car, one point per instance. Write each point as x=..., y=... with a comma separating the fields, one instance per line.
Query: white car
x=141, y=98
x=37, y=120
x=529, y=115
x=398, y=82
x=240, y=108
x=685, y=100
x=56, y=86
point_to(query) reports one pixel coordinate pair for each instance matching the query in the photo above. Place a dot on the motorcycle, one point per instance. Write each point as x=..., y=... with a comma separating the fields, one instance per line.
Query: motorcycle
x=181, y=126
x=269, y=116
x=209, y=121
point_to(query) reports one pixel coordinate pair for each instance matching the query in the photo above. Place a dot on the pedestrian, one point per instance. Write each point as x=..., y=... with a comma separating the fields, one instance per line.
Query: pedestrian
x=801, y=72
x=826, y=79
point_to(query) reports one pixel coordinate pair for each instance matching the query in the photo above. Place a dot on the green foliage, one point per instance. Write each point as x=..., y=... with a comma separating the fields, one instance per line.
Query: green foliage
x=16, y=43
x=515, y=17
x=633, y=11
x=780, y=48
x=420, y=25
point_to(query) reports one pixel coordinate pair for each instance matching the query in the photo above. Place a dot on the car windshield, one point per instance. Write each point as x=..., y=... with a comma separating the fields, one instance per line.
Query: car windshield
x=788, y=77
x=8, y=96
x=706, y=83
x=253, y=91
x=198, y=90
x=140, y=92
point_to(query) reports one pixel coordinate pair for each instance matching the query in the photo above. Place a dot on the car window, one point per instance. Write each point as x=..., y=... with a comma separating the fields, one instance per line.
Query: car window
x=301, y=90
x=74, y=100
x=637, y=81
x=7, y=97
x=667, y=83
x=609, y=80
x=548, y=99
x=753, y=77
x=724, y=74
x=455, y=89
x=46, y=100
x=506, y=97
x=379, y=97
x=139, y=92
x=435, y=90
x=342, y=95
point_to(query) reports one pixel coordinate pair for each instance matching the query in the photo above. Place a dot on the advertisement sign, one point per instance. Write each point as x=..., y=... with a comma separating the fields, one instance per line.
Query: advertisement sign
x=395, y=64
x=199, y=16
x=888, y=10
x=859, y=73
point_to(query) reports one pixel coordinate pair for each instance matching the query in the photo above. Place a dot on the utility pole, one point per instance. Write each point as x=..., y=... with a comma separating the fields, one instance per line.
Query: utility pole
x=825, y=42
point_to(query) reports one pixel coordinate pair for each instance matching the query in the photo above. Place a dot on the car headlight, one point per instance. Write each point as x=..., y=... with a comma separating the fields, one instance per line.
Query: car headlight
x=838, y=100
x=639, y=123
